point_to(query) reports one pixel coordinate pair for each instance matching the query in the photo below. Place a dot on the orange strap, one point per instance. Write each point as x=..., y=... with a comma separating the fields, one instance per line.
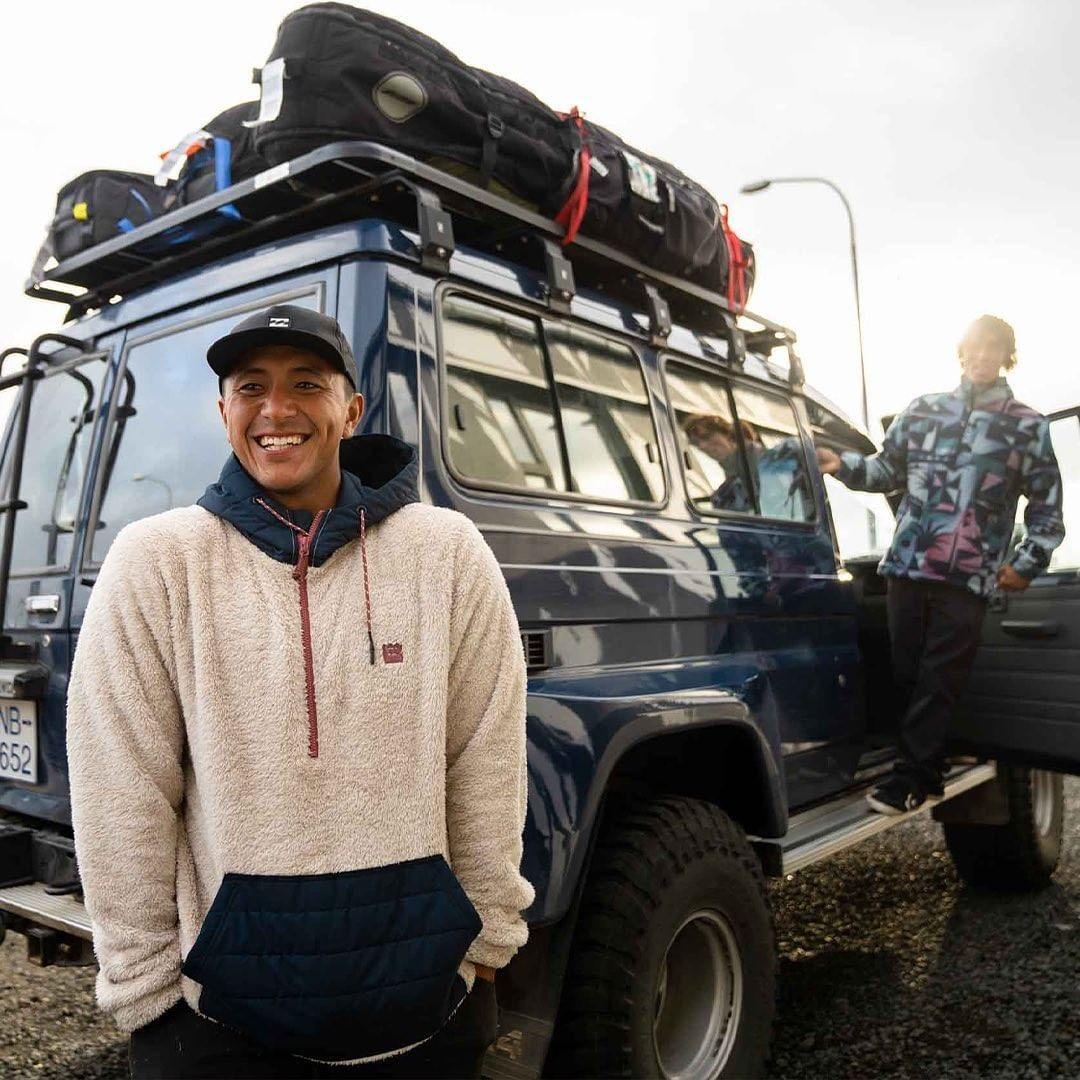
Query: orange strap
x=572, y=213
x=737, y=265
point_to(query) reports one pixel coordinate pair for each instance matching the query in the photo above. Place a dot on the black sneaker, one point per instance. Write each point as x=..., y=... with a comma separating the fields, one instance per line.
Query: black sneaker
x=898, y=794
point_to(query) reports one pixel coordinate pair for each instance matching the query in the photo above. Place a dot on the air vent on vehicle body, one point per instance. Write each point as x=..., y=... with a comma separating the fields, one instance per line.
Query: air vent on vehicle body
x=537, y=646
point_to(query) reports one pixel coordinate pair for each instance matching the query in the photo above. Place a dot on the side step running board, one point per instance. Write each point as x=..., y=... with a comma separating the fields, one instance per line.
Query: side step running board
x=33, y=903
x=833, y=827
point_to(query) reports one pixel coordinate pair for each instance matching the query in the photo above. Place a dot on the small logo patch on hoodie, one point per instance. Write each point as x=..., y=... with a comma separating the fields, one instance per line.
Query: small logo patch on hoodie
x=393, y=654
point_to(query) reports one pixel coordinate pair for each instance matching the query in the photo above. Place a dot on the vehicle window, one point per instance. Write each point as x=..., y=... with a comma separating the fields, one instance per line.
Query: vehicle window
x=54, y=464
x=1065, y=434
x=500, y=420
x=610, y=437
x=775, y=454
x=862, y=520
x=168, y=442
x=715, y=471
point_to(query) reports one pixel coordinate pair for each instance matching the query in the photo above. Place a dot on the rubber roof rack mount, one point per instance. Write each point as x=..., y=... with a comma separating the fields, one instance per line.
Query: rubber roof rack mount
x=344, y=181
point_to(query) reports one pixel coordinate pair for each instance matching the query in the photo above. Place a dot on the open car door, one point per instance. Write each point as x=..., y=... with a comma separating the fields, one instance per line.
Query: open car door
x=1023, y=702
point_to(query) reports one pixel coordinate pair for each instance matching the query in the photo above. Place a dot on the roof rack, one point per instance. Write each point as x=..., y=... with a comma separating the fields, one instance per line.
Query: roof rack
x=344, y=181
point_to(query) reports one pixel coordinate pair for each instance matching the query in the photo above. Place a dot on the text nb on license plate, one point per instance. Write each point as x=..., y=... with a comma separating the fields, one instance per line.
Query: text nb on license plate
x=18, y=740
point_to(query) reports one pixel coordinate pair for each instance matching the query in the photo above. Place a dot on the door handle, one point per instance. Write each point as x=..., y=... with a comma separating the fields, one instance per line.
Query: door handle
x=43, y=604
x=1034, y=629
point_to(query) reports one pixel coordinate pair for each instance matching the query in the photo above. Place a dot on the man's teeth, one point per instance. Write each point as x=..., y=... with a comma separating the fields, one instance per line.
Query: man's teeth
x=280, y=440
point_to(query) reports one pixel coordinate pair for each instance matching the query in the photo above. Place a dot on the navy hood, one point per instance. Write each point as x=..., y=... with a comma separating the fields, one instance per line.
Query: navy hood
x=378, y=476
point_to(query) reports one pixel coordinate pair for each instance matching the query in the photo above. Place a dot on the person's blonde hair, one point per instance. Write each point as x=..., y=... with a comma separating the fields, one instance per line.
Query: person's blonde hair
x=702, y=425
x=1000, y=329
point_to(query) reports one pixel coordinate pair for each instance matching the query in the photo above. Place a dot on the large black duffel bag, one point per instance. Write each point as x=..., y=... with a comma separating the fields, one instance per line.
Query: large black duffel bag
x=98, y=206
x=651, y=210
x=337, y=72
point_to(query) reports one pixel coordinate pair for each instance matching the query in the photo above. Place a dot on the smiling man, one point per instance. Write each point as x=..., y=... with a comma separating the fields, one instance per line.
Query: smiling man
x=960, y=460
x=296, y=731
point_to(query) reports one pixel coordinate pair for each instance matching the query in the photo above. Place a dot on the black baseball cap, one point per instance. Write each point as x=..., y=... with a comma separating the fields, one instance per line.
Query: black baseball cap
x=284, y=324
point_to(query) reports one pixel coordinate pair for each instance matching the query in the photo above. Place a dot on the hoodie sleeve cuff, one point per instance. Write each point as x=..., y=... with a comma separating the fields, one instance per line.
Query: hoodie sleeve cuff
x=852, y=465
x=136, y=1014
x=1025, y=566
x=489, y=954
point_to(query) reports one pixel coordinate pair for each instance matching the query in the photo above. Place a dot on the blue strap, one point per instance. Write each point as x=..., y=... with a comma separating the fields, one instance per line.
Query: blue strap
x=222, y=163
x=223, y=174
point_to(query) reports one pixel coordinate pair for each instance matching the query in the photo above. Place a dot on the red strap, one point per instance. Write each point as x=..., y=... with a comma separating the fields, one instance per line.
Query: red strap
x=572, y=213
x=737, y=264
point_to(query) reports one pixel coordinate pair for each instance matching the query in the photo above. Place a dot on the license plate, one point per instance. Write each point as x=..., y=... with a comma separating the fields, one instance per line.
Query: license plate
x=18, y=740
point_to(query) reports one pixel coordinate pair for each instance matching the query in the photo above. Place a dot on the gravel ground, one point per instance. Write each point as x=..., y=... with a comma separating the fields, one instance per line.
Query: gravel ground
x=889, y=969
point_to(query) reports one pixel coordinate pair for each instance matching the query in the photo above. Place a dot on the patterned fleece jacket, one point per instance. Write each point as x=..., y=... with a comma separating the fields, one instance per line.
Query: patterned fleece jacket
x=962, y=460
x=297, y=761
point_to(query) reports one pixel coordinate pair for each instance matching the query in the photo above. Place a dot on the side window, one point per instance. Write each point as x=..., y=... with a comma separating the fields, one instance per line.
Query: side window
x=604, y=404
x=1065, y=434
x=500, y=419
x=168, y=442
x=505, y=421
x=54, y=465
x=862, y=520
x=713, y=464
x=775, y=454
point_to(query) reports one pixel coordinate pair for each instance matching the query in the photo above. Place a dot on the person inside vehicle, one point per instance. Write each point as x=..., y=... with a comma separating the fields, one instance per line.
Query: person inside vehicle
x=715, y=437
x=296, y=733
x=777, y=472
x=960, y=460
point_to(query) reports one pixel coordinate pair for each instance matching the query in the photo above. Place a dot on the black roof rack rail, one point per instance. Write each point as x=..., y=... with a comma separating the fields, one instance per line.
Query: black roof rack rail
x=345, y=181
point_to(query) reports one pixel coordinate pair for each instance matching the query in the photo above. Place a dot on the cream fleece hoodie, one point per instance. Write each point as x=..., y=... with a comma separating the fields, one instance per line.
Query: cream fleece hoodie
x=190, y=738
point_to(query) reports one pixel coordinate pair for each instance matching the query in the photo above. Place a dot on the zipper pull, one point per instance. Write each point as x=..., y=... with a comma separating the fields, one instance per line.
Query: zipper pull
x=300, y=570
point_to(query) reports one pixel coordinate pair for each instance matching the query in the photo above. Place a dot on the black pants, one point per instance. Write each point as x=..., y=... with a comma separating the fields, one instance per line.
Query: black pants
x=182, y=1044
x=935, y=631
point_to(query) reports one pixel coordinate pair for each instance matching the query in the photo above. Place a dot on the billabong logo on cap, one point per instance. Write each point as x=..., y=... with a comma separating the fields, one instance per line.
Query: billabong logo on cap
x=280, y=321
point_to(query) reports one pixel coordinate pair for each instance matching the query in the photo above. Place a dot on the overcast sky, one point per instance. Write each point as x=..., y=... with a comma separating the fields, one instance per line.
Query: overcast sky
x=953, y=127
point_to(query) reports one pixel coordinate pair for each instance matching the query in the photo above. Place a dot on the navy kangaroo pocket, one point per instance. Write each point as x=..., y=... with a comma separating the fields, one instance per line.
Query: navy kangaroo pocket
x=336, y=966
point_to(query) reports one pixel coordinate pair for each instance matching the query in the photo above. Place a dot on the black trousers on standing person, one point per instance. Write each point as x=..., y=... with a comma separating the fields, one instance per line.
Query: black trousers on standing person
x=181, y=1044
x=934, y=629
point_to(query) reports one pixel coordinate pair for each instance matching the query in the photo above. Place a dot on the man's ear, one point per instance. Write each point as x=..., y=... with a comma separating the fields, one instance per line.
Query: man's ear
x=353, y=414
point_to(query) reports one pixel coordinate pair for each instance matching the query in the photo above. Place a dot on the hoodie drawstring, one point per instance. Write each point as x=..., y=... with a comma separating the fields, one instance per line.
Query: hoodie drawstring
x=367, y=593
x=303, y=561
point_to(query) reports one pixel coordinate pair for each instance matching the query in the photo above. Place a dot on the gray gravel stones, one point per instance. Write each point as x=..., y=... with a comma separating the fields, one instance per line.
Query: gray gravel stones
x=50, y=1026
x=889, y=969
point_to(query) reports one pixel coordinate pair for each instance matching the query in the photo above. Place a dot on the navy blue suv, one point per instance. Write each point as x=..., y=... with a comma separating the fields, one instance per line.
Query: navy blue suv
x=701, y=614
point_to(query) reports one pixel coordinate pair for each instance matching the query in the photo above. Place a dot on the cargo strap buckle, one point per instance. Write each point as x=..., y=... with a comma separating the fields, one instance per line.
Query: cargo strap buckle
x=559, y=285
x=436, y=230
x=659, y=315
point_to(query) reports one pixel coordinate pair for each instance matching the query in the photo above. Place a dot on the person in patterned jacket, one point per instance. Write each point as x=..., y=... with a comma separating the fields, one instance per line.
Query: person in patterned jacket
x=960, y=460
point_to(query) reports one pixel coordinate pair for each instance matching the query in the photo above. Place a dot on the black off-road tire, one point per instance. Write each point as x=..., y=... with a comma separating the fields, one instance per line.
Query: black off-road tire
x=1021, y=855
x=657, y=865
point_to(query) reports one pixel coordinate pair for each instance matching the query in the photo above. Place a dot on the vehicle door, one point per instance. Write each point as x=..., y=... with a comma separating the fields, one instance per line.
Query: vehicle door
x=165, y=441
x=779, y=605
x=62, y=427
x=1023, y=702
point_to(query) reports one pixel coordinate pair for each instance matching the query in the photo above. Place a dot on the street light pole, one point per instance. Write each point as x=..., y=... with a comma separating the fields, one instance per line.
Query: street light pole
x=761, y=185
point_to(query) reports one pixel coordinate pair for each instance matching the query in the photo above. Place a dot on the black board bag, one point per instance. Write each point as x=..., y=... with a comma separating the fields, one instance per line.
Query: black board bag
x=338, y=72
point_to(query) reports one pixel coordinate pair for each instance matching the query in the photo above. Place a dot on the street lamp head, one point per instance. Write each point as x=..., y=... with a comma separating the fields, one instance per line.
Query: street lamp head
x=757, y=185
